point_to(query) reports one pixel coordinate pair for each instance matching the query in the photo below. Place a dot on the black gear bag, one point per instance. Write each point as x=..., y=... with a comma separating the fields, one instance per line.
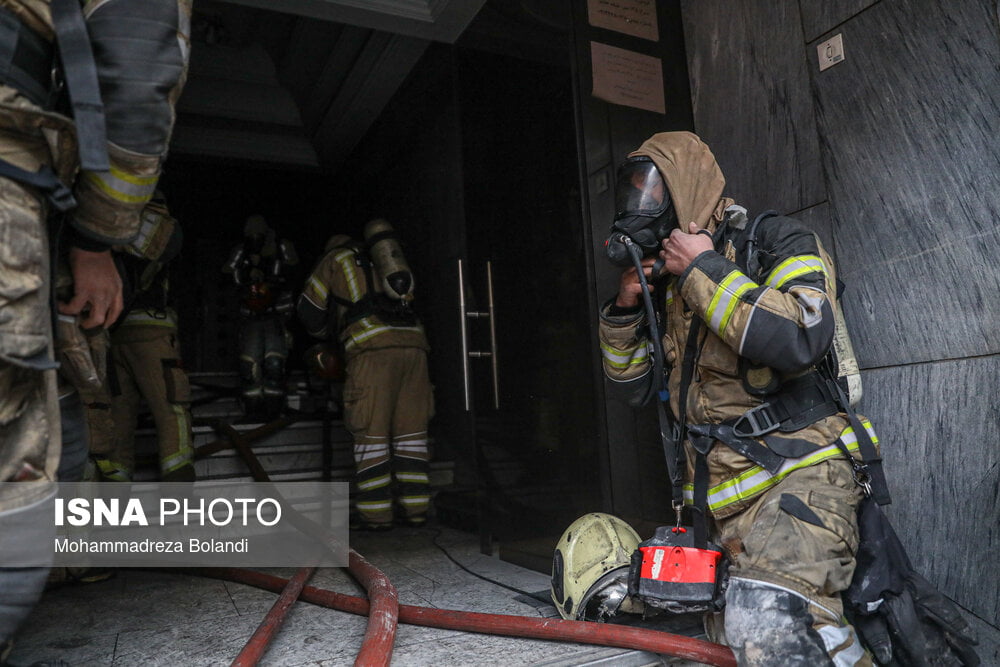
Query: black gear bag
x=900, y=616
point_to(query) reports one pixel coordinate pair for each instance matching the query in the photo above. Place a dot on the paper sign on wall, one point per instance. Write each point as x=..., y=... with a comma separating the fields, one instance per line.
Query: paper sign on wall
x=626, y=77
x=632, y=17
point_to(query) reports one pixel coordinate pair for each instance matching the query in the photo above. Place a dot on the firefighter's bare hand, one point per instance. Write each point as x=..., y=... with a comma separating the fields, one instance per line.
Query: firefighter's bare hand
x=630, y=289
x=680, y=248
x=97, y=288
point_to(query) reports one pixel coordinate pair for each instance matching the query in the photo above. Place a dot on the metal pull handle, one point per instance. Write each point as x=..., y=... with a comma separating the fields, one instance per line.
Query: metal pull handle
x=466, y=352
x=493, y=336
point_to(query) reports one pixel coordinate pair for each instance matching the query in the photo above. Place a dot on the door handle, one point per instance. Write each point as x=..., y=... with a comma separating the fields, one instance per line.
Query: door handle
x=465, y=315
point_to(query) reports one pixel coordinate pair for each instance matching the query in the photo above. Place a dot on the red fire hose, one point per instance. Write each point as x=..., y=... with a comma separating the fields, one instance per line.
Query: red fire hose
x=262, y=636
x=582, y=632
x=384, y=609
x=381, y=633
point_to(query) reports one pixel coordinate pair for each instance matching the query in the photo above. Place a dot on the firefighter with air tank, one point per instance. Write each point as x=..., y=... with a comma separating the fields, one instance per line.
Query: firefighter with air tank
x=358, y=298
x=259, y=267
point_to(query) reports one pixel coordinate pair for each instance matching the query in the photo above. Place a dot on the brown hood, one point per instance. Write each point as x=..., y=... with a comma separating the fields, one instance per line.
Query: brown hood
x=692, y=175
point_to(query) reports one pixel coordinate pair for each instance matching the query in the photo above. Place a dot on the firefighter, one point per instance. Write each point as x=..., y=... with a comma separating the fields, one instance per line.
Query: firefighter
x=763, y=429
x=259, y=266
x=93, y=156
x=146, y=362
x=388, y=397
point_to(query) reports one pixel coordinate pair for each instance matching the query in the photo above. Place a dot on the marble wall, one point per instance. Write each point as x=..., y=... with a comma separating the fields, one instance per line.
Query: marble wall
x=892, y=156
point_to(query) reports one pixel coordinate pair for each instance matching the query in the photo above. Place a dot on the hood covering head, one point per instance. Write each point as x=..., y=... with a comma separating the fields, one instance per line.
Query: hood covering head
x=692, y=175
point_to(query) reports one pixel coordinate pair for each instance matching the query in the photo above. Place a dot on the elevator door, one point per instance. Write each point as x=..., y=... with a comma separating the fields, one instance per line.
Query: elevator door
x=525, y=300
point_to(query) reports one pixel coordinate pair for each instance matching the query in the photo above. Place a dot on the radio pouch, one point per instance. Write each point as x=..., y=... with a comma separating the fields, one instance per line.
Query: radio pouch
x=669, y=572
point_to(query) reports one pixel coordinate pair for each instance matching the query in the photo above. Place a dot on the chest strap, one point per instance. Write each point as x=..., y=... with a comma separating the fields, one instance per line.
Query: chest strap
x=798, y=403
x=55, y=191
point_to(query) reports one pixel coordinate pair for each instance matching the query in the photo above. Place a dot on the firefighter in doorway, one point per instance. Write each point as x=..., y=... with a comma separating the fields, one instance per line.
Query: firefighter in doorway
x=360, y=293
x=748, y=312
x=259, y=266
x=146, y=362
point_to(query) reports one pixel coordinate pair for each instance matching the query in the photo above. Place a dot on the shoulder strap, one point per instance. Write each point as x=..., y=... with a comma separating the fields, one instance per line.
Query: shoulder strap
x=81, y=80
x=752, y=267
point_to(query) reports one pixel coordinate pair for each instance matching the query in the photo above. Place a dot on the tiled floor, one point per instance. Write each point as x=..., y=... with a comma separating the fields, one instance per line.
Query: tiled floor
x=155, y=618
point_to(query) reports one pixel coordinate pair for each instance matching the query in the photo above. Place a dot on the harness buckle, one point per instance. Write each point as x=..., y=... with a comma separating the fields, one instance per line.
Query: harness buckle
x=678, y=508
x=862, y=477
x=758, y=420
x=61, y=197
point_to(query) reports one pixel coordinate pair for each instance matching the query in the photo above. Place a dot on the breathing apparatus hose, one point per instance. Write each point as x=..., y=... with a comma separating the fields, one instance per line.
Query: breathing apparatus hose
x=555, y=629
x=656, y=386
x=670, y=432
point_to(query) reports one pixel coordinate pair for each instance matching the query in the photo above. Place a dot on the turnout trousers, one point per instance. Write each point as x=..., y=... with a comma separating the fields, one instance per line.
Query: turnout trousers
x=793, y=553
x=146, y=366
x=388, y=401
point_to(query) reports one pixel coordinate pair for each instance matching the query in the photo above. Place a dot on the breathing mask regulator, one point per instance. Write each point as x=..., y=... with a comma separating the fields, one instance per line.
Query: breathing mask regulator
x=644, y=212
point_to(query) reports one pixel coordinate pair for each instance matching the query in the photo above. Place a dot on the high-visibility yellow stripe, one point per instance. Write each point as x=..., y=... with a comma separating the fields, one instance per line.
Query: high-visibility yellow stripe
x=756, y=479
x=413, y=477
x=373, y=505
x=122, y=186
x=142, y=318
x=793, y=267
x=320, y=288
x=727, y=296
x=368, y=330
x=624, y=358
x=346, y=260
x=112, y=470
x=373, y=483
x=184, y=454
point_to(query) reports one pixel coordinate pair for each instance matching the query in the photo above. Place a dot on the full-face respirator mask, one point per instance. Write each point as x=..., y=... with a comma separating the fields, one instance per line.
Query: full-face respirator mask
x=644, y=212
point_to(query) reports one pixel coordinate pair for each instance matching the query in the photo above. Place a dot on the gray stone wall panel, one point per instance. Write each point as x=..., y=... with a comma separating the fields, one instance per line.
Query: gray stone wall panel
x=938, y=425
x=909, y=124
x=751, y=103
x=820, y=17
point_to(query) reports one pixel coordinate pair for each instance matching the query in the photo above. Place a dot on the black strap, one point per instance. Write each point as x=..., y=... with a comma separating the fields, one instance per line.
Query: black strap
x=752, y=267
x=871, y=463
x=745, y=447
x=81, y=81
x=55, y=191
x=701, y=445
x=25, y=60
x=795, y=506
x=796, y=404
x=700, y=514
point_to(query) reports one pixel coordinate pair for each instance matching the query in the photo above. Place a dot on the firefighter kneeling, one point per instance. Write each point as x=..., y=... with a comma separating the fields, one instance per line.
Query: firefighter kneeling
x=755, y=399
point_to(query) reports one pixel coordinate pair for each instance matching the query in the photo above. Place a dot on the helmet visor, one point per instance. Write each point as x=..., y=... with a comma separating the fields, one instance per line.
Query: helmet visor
x=640, y=189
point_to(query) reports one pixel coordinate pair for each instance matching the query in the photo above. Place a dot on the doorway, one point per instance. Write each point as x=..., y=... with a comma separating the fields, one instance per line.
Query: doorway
x=532, y=407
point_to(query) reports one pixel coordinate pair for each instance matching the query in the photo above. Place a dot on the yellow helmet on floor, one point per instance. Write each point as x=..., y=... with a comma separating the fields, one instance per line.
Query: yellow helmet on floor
x=590, y=568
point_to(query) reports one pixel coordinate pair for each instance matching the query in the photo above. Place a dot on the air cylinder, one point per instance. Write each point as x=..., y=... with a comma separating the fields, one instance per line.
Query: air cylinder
x=391, y=269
